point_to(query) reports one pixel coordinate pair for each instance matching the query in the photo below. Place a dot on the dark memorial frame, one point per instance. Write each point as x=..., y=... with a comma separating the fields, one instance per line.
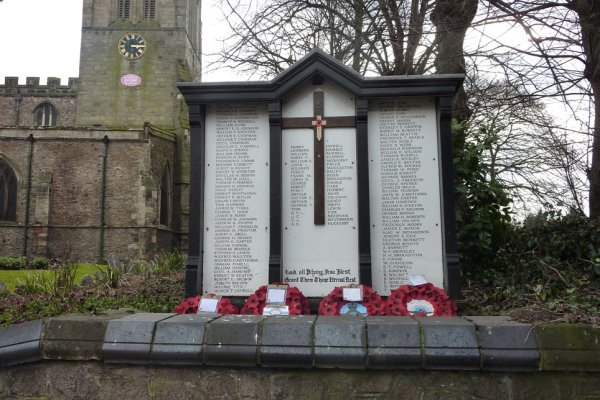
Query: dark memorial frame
x=318, y=67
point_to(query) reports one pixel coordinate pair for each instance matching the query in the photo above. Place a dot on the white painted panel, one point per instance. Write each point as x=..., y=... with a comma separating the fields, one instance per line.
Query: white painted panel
x=317, y=258
x=236, y=199
x=404, y=192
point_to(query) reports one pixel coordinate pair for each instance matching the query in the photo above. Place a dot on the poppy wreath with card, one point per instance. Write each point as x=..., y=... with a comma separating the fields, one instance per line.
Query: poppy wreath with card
x=424, y=300
x=334, y=303
x=190, y=306
x=294, y=299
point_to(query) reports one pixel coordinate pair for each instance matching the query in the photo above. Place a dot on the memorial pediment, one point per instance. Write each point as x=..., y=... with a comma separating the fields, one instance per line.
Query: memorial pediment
x=321, y=178
x=318, y=66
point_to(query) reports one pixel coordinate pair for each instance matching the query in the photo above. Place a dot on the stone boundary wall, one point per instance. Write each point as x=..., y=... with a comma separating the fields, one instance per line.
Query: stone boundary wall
x=202, y=356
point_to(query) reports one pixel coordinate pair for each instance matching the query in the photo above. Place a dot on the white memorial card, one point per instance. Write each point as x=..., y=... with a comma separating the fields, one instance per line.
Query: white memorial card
x=354, y=293
x=404, y=192
x=276, y=295
x=208, y=304
x=236, y=199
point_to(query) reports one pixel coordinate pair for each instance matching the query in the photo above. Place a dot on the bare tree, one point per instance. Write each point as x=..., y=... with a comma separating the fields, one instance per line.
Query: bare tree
x=534, y=160
x=560, y=57
x=385, y=37
x=553, y=59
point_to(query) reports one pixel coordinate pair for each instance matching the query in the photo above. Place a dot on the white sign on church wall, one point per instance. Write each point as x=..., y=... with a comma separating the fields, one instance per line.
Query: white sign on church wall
x=236, y=199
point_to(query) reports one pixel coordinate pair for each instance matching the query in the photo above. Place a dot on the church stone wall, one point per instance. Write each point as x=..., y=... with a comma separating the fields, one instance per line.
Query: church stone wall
x=31, y=94
x=65, y=107
x=146, y=127
x=115, y=105
x=66, y=197
x=163, y=153
x=11, y=234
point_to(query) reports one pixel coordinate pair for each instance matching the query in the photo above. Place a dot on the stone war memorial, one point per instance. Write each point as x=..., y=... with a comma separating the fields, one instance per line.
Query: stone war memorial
x=321, y=178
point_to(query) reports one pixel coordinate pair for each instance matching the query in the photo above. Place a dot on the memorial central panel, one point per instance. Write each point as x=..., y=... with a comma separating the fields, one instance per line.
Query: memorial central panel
x=316, y=258
x=236, y=199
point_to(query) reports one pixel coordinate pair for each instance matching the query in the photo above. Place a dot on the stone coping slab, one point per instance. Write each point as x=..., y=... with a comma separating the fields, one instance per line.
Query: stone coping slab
x=568, y=347
x=20, y=343
x=454, y=343
x=393, y=343
x=505, y=343
x=287, y=341
x=179, y=340
x=129, y=339
x=450, y=342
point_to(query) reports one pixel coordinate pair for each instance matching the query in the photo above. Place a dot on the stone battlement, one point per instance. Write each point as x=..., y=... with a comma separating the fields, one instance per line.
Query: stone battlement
x=32, y=87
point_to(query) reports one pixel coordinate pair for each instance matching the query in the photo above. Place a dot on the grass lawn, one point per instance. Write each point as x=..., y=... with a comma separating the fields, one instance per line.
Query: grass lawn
x=11, y=278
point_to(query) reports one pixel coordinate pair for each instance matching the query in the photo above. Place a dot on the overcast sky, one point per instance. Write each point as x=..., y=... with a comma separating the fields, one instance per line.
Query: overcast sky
x=42, y=38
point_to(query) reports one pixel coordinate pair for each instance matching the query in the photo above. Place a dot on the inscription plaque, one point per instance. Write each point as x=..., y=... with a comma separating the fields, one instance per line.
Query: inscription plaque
x=404, y=193
x=236, y=199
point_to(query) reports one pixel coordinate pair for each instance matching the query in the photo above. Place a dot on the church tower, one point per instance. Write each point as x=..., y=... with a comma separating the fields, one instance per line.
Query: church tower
x=105, y=168
x=132, y=54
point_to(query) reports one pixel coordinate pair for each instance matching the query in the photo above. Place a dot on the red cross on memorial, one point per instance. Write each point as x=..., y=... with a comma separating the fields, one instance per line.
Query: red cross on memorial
x=318, y=123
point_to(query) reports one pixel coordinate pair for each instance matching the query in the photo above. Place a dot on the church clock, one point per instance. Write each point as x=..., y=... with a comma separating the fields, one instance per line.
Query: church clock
x=132, y=46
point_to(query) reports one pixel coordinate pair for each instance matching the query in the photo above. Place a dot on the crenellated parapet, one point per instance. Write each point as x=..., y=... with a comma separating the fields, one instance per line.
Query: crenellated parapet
x=32, y=87
x=19, y=102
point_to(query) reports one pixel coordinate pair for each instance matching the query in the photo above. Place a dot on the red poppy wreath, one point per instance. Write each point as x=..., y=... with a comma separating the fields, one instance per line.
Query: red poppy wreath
x=190, y=306
x=420, y=301
x=334, y=303
x=294, y=299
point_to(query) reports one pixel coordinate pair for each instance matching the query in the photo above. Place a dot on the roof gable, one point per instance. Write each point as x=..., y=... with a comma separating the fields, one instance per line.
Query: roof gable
x=317, y=66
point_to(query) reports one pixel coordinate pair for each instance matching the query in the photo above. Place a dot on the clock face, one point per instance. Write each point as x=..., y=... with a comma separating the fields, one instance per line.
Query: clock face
x=132, y=46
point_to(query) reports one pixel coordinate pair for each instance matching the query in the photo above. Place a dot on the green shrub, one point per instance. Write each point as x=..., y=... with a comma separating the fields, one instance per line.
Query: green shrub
x=482, y=203
x=109, y=276
x=164, y=263
x=64, y=279
x=39, y=263
x=550, y=260
x=34, y=283
x=9, y=262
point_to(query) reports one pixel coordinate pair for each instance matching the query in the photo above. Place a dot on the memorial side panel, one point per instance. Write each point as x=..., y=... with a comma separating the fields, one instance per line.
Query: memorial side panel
x=236, y=199
x=404, y=192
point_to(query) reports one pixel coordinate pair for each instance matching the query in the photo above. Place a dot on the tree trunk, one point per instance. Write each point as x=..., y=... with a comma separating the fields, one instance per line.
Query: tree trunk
x=589, y=19
x=594, y=175
x=452, y=18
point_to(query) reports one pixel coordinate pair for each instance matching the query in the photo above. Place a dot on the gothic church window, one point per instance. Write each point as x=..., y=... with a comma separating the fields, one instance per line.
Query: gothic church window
x=8, y=192
x=123, y=8
x=165, y=198
x=45, y=115
x=149, y=9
